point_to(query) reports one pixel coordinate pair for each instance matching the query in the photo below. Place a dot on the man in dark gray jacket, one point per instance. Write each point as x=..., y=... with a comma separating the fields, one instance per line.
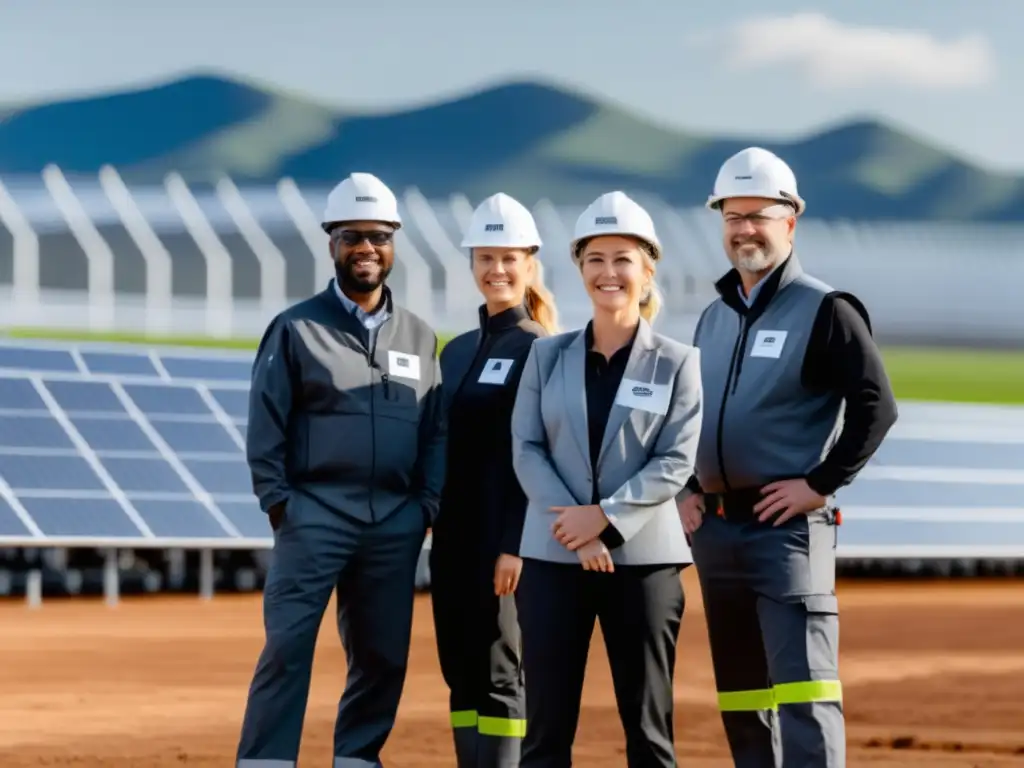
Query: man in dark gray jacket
x=796, y=401
x=346, y=447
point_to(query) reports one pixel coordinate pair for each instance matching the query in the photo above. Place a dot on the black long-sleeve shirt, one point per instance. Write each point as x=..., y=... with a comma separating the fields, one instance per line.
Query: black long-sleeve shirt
x=483, y=506
x=603, y=377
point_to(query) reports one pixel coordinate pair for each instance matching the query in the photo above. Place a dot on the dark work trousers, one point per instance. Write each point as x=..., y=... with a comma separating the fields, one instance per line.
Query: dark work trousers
x=640, y=609
x=373, y=567
x=479, y=648
x=773, y=626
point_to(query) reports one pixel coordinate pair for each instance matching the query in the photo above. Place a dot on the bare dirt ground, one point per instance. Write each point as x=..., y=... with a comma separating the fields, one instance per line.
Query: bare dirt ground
x=933, y=675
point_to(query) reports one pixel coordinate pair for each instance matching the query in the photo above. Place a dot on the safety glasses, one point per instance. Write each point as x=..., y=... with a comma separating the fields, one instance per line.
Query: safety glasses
x=353, y=237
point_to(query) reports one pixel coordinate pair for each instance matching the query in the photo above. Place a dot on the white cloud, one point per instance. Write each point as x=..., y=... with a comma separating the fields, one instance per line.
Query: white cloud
x=832, y=54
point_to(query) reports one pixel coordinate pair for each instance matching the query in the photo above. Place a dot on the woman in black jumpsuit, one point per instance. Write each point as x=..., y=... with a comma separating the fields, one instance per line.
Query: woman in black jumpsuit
x=474, y=556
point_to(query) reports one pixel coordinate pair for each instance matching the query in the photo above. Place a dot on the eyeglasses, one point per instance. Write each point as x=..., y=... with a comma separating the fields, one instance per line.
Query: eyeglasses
x=353, y=237
x=759, y=218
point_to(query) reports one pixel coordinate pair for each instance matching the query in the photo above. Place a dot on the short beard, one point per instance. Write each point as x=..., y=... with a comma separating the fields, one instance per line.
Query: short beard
x=348, y=280
x=762, y=261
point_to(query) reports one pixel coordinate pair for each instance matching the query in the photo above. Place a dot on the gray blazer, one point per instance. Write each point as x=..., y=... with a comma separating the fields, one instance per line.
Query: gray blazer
x=646, y=457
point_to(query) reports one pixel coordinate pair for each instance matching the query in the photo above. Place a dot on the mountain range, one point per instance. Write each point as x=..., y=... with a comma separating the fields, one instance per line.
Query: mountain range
x=529, y=139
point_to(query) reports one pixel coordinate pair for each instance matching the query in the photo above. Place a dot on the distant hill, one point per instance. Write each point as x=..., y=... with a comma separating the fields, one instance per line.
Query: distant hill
x=527, y=139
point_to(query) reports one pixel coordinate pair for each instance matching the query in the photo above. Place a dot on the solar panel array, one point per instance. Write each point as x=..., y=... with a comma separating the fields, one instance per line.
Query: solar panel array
x=102, y=446
x=107, y=445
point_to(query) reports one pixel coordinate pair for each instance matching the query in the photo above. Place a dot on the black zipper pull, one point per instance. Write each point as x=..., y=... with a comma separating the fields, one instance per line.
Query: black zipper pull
x=384, y=381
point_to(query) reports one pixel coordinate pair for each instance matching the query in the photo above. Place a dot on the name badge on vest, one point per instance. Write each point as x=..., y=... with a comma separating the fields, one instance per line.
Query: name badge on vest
x=495, y=371
x=642, y=396
x=404, y=365
x=768, y=344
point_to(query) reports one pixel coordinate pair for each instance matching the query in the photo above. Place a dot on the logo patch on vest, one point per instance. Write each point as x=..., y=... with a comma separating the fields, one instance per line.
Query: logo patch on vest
x=768, y=344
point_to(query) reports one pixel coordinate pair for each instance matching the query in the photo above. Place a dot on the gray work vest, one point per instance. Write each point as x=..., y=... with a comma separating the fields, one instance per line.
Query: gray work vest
x=760, y=423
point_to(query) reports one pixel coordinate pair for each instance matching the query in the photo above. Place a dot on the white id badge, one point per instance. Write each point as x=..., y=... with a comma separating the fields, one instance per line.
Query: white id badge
x=642, y=396
x=495, y=371
x=404, y=365
x=768, y=344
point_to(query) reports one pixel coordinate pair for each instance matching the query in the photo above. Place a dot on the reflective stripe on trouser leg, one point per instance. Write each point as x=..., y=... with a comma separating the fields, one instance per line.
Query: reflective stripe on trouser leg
x=466, y=739
x=494, y=740
x=814, y=691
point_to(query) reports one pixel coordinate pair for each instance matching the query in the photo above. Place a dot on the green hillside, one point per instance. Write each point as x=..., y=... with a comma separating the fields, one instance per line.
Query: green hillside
x=530, y=139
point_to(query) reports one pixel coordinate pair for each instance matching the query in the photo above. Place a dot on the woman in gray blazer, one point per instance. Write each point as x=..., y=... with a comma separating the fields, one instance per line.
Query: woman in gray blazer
x=604, y=434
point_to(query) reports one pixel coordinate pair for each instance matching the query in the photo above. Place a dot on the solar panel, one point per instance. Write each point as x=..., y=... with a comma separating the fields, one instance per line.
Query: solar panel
x=123, y=446
x=127, y=446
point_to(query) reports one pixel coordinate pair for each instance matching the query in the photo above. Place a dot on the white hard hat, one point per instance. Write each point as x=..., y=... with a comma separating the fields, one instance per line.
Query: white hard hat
x=501, y=221
x=361, y=197
x=756, y=172
x=614, y=213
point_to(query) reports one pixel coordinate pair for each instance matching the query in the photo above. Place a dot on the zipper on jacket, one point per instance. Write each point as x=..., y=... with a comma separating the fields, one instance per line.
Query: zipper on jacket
x=730, y=388
x=371, y=362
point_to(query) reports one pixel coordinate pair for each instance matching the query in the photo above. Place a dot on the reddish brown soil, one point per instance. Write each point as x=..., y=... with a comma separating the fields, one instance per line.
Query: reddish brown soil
x=933, y=674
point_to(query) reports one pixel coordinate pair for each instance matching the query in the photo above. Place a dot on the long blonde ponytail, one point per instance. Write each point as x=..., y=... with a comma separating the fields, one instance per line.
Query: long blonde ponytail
x=540, y=302
x=651, y=302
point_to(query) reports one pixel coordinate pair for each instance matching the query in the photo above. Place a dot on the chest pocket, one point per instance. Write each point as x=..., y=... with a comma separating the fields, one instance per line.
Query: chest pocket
x=773, y=359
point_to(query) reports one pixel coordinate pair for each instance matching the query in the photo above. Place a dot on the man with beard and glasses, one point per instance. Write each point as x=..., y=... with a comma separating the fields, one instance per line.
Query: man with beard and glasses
x=346, y=447
x=796, y=401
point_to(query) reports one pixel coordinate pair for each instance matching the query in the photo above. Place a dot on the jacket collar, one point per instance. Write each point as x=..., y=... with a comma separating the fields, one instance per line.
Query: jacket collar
x=729, y=284
x=508, y=318
x=333, y=290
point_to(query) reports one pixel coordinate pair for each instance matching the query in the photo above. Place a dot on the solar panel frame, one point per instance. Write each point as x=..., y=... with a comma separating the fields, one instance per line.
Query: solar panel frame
x=76, y=371
x=952, y=424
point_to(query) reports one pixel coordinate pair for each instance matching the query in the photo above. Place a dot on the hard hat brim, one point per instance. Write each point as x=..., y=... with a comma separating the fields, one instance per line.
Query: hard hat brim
x=654, y=244
x=495, y=244
x=327, y=226
x=714, y=202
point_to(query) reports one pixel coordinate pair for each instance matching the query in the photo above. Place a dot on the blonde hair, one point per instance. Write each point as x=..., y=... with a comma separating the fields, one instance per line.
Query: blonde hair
x=540, y=302
x=652, y=300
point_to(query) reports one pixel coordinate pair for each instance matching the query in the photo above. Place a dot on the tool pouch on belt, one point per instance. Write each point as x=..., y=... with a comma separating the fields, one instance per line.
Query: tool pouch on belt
x=738, y=506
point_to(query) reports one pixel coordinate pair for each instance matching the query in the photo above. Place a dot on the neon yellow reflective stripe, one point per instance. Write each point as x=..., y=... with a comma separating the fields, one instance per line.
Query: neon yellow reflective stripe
x=502, y=726
x=809, y=692
x=464, y=719
x=784, y=693
x=746, y=701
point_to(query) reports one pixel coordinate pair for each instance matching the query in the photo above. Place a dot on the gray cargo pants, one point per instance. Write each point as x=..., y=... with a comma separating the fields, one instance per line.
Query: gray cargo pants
x=373, y=567
x=773, y=625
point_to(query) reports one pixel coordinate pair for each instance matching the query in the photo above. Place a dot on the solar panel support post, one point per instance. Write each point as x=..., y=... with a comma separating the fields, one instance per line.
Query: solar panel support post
x=459, y=296
x=462, y=210
x=111, y=578
x=206, y=574
x=219, y=267
x=273, y=268
x=156, y=256
x=97, y=251
x=34, y=588
x=308, y=225
x=26, y=260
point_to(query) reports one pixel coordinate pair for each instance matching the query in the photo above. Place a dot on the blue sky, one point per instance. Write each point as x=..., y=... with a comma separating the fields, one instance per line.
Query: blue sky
x=951, y=71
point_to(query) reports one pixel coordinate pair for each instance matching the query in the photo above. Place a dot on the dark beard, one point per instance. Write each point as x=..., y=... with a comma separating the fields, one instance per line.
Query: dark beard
x=348, y=280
